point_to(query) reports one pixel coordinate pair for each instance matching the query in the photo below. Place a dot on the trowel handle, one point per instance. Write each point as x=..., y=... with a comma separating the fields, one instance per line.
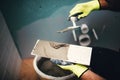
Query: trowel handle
x=73, y=19
x=75, y=16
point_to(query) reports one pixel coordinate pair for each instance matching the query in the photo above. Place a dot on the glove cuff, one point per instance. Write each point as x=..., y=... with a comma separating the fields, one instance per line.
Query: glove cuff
x=95, y=4
x=79, y=70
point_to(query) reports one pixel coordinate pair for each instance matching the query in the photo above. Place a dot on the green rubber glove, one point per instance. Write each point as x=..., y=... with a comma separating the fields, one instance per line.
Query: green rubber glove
x=77, y=69
x=83, y=9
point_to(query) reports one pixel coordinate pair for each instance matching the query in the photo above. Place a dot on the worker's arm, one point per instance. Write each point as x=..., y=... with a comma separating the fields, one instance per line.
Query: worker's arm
x=113, y=5
x=103, y=4
x=89, y=75
x=84, y=9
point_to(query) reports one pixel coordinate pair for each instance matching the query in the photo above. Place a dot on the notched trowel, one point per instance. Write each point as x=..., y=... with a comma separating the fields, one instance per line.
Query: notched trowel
x=62, y=51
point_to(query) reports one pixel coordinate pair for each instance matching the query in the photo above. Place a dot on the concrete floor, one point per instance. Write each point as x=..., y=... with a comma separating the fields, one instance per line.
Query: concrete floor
x=27, y=71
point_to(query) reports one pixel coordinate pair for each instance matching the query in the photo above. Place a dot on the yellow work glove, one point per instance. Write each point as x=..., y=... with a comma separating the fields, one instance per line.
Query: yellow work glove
x=83, y=9
x=77, y=69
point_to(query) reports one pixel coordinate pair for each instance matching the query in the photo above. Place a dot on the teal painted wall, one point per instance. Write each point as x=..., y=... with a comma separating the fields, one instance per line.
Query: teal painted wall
x=29, y=20
x=19, y=13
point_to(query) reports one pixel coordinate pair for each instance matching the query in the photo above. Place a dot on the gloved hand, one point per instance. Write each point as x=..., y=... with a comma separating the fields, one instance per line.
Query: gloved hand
x=83, y=9
x=77, y=69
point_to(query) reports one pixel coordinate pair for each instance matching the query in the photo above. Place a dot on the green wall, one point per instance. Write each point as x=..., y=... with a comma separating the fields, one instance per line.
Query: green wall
x=19, y=13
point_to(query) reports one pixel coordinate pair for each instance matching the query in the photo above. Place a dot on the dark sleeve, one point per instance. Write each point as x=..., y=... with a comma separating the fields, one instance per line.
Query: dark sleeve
x=105, y=62
x=113, y=5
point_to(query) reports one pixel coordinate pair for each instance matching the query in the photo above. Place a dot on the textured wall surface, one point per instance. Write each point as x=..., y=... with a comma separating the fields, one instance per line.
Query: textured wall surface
x=10, y=60
x=29, y=20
